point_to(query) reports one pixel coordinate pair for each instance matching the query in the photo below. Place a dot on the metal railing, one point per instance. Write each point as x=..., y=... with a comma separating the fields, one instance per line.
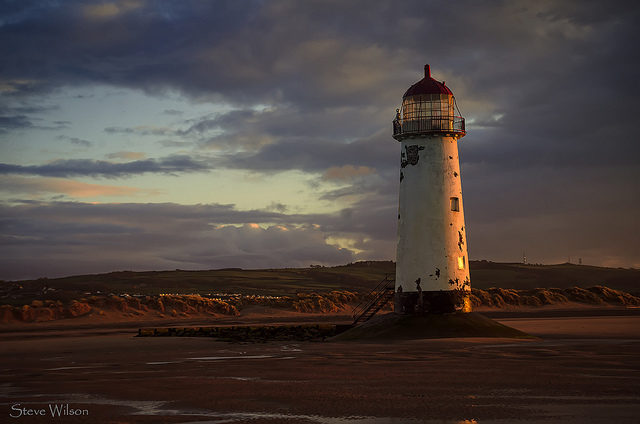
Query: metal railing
x=375, y=300
x=428, y=125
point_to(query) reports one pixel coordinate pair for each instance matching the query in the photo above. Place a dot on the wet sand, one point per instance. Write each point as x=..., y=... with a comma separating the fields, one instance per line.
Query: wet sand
x=582, y=369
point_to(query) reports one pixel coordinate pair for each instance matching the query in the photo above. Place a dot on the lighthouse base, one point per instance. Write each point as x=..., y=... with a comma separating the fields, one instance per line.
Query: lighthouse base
x=393, y=326
x=432, y=302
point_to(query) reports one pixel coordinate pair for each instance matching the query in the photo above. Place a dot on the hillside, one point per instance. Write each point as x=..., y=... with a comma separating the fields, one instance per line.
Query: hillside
x=266, y=282
x=356, y=277
x=485, y=274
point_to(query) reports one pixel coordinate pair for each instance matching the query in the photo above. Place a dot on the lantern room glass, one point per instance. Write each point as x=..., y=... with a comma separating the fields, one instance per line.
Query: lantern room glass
x=427, y=106
x=437, y=111
x=428, y=114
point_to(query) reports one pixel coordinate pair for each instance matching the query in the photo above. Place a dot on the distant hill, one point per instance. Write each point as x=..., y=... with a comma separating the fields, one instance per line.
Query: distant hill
x=359, y=276
x=485, y=274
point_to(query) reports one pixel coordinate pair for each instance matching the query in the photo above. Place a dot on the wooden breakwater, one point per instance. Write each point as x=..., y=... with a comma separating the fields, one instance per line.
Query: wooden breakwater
x=251, y=333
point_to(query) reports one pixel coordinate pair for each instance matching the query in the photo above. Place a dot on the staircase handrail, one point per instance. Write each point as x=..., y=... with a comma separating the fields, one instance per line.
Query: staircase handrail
x=374, y=296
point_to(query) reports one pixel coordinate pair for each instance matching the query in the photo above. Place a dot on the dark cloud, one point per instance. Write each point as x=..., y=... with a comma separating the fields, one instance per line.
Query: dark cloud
x=246, y=53
x=142, y=130
x=13, y=122
x=59, y=124
x=314, y=155
x=98, y=168
x=253, y=128
x=257, y=53
x=17, y=117
x=75, y=140
x=277, y=207
x=26, y=117
x=175, y=143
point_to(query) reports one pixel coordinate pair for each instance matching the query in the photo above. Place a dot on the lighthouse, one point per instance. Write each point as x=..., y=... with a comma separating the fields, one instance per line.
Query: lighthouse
x=432, y=265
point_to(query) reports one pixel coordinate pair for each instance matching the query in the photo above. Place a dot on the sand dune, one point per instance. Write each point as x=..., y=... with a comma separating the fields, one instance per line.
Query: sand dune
x=598, y=295
x=176, y=306
x=338, y=301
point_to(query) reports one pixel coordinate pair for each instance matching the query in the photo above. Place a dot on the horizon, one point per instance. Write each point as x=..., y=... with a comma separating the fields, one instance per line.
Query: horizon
x=310, y=266
x=163, y=135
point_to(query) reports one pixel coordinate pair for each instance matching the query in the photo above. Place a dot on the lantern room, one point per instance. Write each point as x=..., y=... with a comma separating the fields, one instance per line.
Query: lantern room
x=428, y=107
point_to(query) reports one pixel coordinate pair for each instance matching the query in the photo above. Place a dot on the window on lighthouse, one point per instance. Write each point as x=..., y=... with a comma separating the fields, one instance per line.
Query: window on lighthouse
x=461, y=262
x=455, y=204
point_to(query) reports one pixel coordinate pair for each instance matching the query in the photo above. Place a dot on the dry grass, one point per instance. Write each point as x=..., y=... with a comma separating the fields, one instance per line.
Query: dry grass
x=335, y=301
x=598, y=295
x=173, y=305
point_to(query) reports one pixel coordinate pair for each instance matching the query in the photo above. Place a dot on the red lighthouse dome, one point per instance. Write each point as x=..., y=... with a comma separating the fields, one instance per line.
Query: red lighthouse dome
x=427, y=85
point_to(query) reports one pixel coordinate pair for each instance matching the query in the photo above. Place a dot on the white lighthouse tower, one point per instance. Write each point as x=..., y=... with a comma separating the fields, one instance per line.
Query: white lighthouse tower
x=432, y=267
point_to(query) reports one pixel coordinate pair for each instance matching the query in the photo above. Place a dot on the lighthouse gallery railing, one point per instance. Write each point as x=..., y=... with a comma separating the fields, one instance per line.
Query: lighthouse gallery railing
x=433, y=124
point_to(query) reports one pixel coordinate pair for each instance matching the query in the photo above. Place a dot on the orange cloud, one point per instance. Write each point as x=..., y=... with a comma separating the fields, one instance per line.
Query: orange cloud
x=346, y=172
x=62, y=186
x=111, y=10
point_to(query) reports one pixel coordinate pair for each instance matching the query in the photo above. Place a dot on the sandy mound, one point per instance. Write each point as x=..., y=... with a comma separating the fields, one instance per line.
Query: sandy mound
x=407, y=327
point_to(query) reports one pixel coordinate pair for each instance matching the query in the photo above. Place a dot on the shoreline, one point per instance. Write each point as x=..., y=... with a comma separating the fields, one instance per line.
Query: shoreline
x=84, y=326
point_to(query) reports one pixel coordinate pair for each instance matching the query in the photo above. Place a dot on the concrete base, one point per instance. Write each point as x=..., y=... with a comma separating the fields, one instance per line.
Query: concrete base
x=432, y=302
x=394, y=326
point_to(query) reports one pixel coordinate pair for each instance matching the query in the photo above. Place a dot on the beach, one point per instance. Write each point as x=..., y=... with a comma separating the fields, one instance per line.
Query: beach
x=580, y=367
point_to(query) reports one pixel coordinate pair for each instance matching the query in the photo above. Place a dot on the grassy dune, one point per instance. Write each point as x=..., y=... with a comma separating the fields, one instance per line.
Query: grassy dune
x=595, y=296
x=165, y=306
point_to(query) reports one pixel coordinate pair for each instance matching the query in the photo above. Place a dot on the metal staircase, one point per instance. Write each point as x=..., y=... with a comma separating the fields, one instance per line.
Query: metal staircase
x=374, y=301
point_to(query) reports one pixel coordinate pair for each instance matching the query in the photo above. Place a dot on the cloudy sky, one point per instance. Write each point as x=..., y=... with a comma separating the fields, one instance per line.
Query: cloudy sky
x=148, y=134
